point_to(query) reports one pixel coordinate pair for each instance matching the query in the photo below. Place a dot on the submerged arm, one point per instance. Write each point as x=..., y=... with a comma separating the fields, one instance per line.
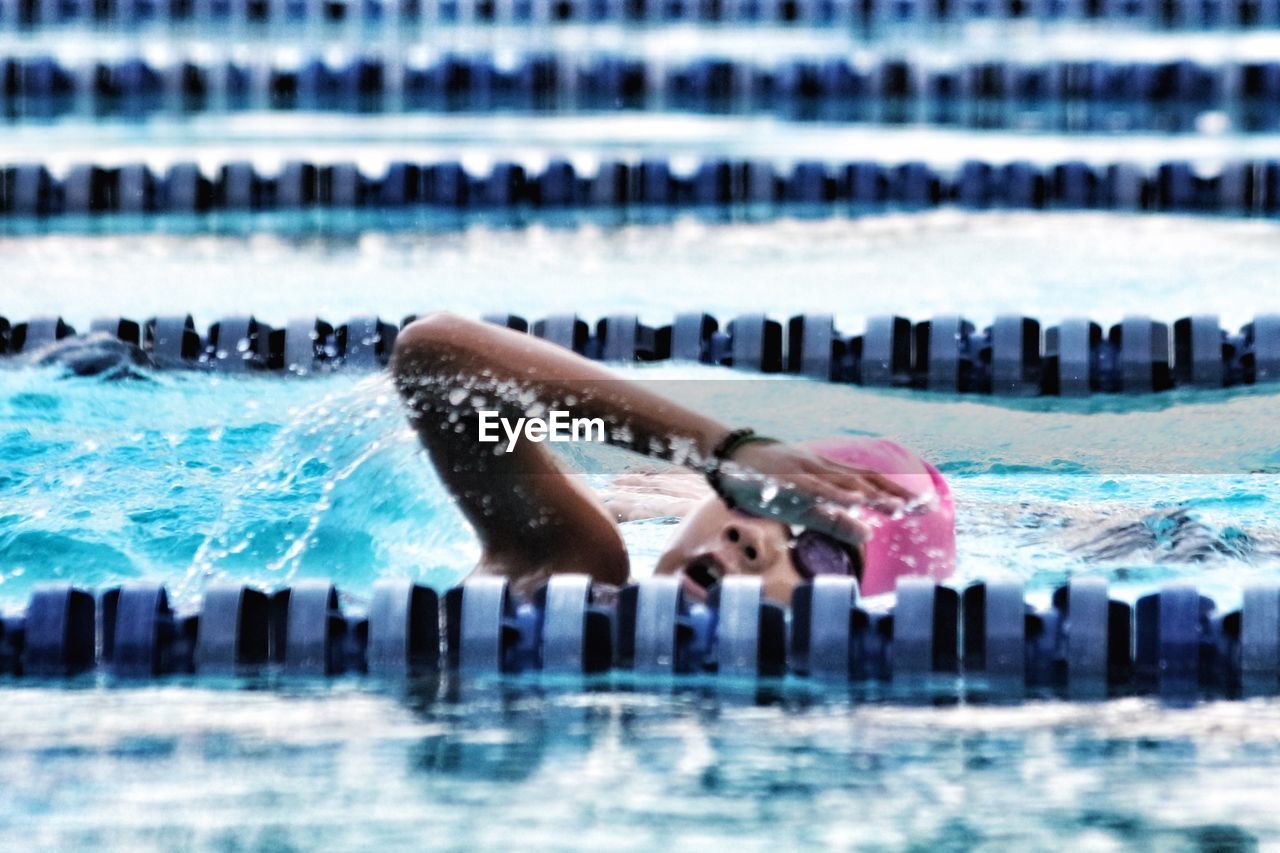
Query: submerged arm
x=640, y=495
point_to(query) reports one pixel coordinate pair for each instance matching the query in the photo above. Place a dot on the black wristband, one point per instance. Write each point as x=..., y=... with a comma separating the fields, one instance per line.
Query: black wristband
x=724, y=449
x=732, y=441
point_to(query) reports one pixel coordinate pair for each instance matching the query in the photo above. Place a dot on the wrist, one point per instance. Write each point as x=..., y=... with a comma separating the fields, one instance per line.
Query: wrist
x=729, y=444
x=705, y=441
x=721, y=443
x=738, y=439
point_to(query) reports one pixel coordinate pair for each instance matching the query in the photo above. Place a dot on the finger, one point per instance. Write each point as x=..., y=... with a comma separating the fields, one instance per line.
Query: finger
x=825, y=490
x=841, y=489
x=876, y=479
x=921, y=504
x=864, y=484
x=871, y=494
x=884, y=484
x=915, y=503
x=794, y=500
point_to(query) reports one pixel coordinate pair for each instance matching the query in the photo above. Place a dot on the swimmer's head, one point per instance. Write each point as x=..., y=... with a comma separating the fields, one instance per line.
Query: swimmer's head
x=917, y=543
x=714, y=541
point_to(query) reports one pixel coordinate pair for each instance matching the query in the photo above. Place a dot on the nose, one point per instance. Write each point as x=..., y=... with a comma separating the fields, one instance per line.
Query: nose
x=746, y=541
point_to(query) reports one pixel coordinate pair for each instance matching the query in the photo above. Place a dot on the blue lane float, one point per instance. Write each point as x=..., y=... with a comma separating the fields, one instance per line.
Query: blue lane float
x=986, y=636
x=140, y=634
x=714, y=186
x=1012, y=356
x=1058, y=95
x=232, y=635
x=59, y=632
x=863, y=16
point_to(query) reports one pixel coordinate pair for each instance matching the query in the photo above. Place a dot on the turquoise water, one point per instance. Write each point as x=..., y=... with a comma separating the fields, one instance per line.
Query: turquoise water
x=187, y=478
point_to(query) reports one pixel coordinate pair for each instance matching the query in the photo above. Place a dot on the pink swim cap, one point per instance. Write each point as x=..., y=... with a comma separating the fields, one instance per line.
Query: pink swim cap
x=922, y=543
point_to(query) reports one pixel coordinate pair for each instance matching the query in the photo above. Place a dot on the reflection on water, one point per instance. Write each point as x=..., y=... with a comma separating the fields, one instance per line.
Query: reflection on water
x=487, y=765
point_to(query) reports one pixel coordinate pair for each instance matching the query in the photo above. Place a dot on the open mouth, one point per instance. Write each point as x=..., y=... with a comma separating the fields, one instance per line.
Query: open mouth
x=705, y=571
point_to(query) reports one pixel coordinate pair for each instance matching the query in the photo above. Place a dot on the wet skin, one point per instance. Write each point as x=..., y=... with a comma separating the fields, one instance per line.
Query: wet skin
x=534, y=518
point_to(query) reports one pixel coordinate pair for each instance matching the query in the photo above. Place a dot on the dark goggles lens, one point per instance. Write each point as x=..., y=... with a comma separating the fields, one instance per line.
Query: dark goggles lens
x=814, y=554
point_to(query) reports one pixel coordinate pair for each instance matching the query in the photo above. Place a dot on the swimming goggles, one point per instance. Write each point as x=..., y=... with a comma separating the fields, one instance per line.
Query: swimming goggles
x=813, y=554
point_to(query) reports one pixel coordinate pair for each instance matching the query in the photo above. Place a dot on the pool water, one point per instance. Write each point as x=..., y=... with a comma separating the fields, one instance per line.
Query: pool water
x=187, y=478
x=1048, y=265
x=360, y=767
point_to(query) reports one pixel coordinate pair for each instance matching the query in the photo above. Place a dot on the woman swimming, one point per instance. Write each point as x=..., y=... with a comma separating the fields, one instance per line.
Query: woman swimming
x=750, y=505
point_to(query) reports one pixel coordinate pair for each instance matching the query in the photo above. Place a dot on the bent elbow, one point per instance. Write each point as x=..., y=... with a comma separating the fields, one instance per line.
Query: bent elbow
x=429, y=341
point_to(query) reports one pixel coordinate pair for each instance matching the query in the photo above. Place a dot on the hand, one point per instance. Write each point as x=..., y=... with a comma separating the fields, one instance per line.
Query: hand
x=797, y=486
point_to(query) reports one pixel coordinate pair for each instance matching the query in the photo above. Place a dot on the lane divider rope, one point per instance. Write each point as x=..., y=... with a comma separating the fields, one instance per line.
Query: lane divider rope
x=1013, y=356
x=808, y=187
x=1084, y=642
x=1068, y=95
x=867, y=17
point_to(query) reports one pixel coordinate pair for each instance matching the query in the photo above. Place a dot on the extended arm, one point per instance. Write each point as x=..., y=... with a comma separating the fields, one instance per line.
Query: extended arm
x=528, y=513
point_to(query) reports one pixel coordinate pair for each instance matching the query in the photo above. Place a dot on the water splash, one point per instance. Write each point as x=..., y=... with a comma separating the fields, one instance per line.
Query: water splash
x=184, y=479
x=337, y=493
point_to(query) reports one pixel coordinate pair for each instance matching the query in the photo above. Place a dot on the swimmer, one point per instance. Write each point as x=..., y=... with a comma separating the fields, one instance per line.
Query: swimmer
x=97, y=354
x=749, y=505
